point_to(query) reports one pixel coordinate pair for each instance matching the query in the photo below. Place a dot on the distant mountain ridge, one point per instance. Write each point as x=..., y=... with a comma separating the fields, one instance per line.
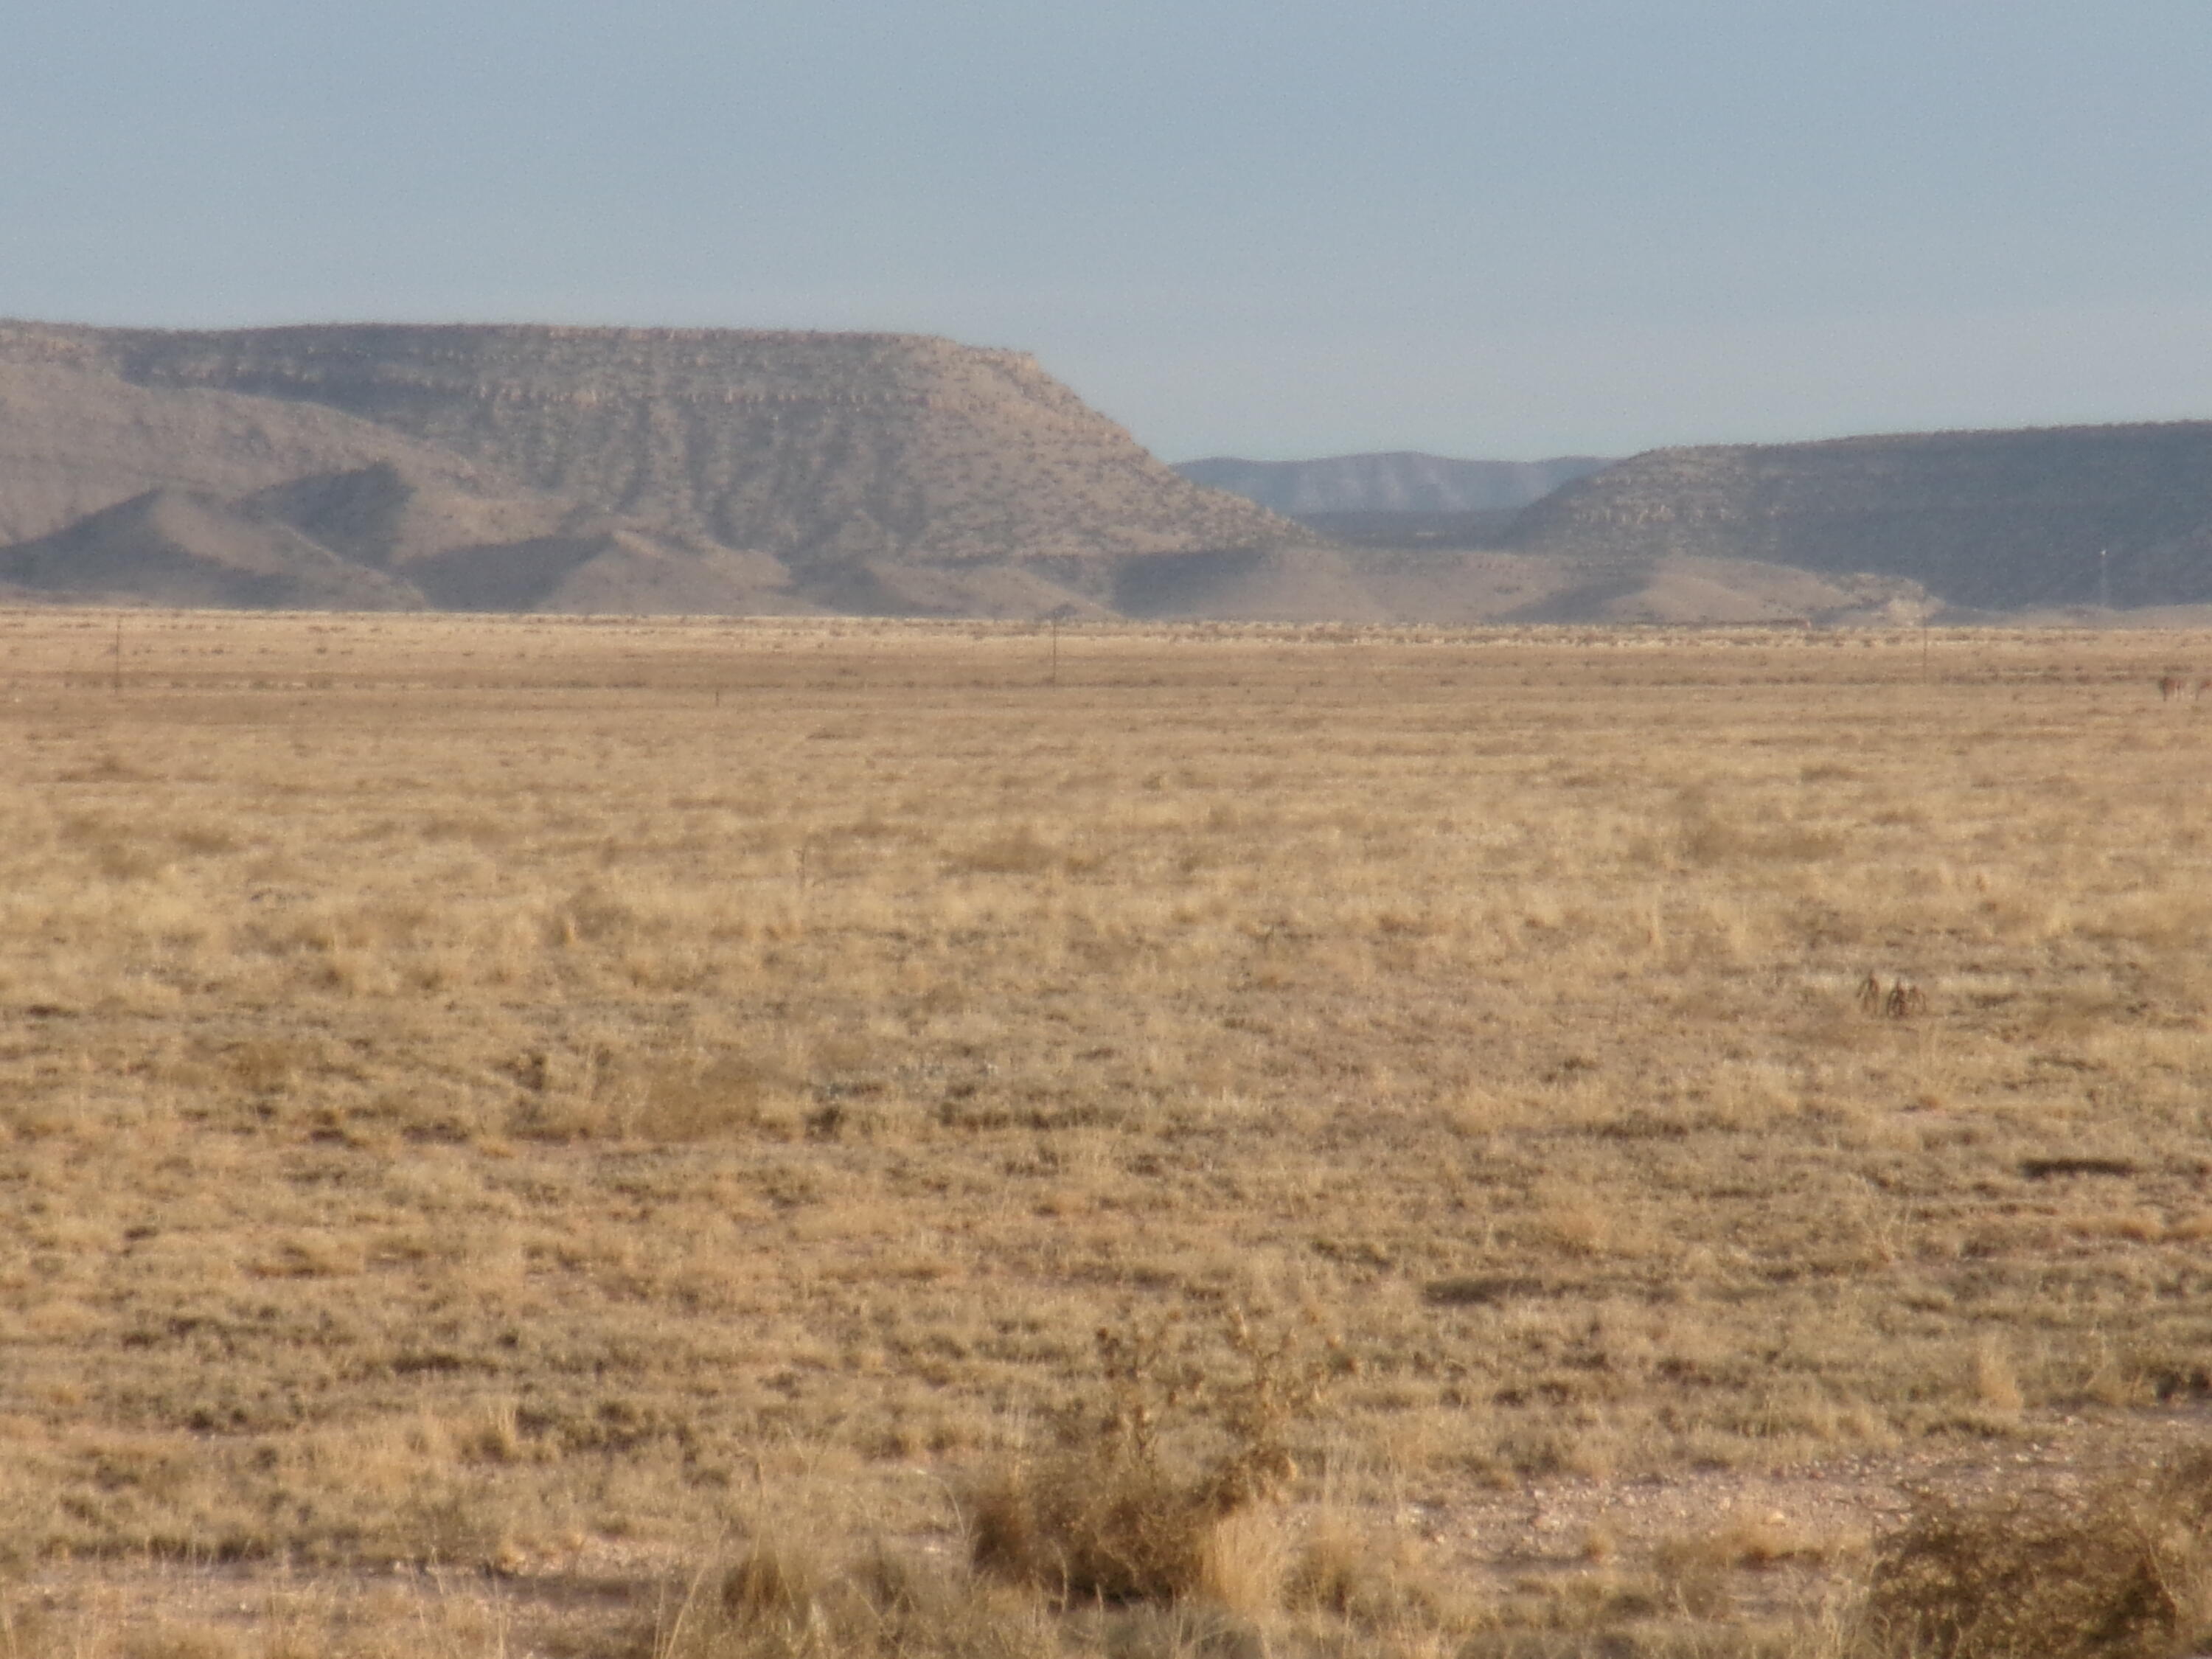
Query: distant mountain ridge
x=887, y=472
x=526, y=468
x=819, y=448
x=1403, y=481
x=2002, y=521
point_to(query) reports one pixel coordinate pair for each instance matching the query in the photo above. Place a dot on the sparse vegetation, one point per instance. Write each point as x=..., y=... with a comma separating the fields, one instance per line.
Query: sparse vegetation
x=510, y=1129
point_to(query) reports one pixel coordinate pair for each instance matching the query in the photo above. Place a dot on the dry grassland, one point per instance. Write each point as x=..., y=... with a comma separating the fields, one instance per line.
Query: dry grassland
x=502, y=1119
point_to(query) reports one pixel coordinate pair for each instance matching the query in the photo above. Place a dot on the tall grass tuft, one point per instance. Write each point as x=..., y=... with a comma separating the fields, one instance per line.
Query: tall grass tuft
x=785, y=1598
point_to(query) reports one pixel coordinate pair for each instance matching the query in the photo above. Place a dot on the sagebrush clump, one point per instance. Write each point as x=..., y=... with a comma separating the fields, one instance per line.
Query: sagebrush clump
x=2121, y=1572
x=1148, y=1494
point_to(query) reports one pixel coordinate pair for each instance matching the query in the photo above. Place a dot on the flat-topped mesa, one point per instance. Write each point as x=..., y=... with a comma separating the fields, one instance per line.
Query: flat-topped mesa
x=826, y=449
x=2002, y=520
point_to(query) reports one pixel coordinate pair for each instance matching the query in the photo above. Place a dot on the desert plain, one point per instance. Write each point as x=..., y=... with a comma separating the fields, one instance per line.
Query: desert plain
x=692, y=1136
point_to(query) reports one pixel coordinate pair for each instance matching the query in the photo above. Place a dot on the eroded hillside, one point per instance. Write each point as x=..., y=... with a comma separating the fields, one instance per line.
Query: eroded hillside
x=823, y=449
x=724, y=471
x=1997, y=520
x=74, y=440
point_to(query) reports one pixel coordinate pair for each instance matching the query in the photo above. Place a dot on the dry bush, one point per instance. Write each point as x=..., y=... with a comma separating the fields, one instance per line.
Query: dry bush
x=2123, y=1571
x=1118, y=1513
x=1092, y=1526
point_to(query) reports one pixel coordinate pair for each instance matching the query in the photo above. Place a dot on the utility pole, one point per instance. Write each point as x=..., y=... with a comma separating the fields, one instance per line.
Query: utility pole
x=2105, y=578
x=1055, y=650
x=118, y=656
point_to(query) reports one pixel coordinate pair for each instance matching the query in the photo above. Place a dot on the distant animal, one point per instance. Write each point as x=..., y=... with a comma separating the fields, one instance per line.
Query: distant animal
x=2171, y=686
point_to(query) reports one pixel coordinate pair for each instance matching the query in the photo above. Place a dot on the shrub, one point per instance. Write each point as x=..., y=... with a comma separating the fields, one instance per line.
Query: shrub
x=2122, y=1572
x=1116, y=1515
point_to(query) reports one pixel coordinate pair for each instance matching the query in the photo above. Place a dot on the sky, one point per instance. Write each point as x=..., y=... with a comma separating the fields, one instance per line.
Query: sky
x=1277, y=228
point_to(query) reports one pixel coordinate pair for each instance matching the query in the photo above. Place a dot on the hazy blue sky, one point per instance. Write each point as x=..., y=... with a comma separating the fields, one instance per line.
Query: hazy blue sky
x=1275, y=228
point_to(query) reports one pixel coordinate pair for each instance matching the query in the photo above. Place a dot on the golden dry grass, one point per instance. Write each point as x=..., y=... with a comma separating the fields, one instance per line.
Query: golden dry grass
x=544, y=1095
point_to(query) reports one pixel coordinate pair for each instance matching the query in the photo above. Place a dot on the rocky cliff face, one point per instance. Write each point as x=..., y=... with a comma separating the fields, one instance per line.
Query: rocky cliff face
x=1999, y=520
x=825, y=450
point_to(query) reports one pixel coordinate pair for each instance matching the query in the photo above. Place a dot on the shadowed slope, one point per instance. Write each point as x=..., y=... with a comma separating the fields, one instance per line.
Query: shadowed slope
x=172, y=548
x=73, y=440
x=523, y=552
x=391, y=516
